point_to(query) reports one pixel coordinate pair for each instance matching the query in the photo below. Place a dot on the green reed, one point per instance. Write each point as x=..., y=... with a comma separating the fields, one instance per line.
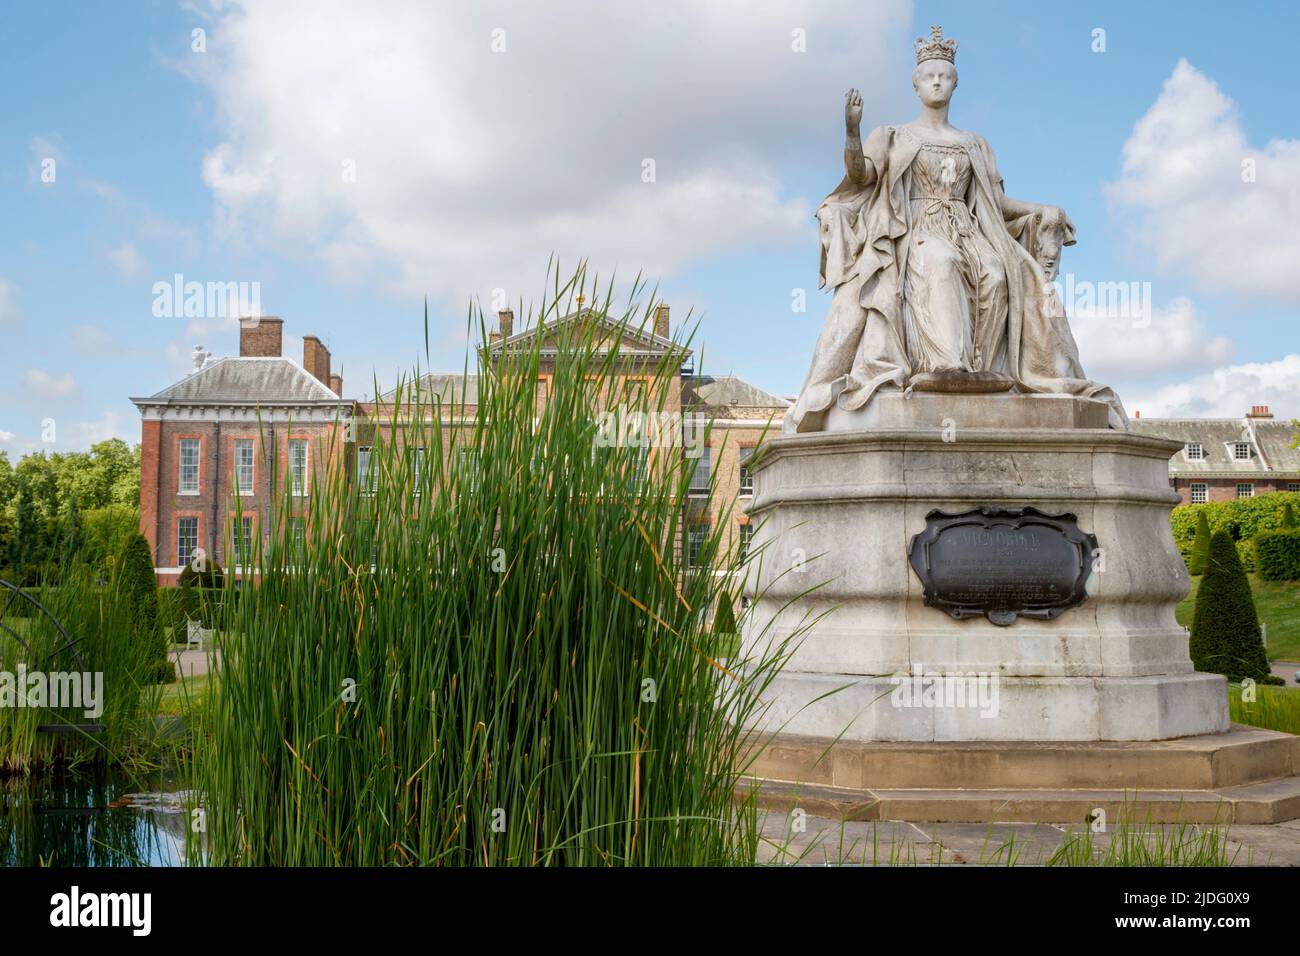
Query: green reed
x=496, y=656
x=90, y=628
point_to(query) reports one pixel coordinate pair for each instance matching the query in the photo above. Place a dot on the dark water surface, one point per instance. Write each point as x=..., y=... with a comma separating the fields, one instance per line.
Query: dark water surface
x=91, y=819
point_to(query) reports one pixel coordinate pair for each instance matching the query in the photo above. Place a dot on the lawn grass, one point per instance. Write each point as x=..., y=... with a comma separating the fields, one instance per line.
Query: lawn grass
x=1274, y=708
x=184, y=697
x=1278, y=604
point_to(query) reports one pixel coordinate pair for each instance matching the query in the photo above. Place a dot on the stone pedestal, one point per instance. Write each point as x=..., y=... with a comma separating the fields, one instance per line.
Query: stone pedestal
x=836, y=510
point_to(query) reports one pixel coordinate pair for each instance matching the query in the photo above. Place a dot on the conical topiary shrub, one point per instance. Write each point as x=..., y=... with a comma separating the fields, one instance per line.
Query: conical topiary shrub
x=1288, y=517
x=1226, y=636
x=142, y=586
x=1200, y=545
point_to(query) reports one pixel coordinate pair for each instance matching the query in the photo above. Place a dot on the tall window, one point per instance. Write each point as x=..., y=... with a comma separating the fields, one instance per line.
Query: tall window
x=1195, y=451
x=417, y=468
x=365, y=476
x=700, y=477
x=187, y=539
x=189, y=467
x=470, y=470
x=1245, y=490
x=746, y=479
x=1200, y=493
x=243, y=466
x=297, y=538
x=1241, y=450
x=746, y=535
x=696, y=535
x=244, y=541
x=638, y=467
x=298, y=466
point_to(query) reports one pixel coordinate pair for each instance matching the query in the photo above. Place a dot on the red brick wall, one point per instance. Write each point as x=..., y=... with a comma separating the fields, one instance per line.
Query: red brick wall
x=149, y=437
x=160, y=478
x=1225, y=489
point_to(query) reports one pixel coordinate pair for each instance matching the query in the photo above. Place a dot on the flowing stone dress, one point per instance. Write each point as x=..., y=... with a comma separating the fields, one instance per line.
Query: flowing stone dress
x=926, y=277
x=955, y=289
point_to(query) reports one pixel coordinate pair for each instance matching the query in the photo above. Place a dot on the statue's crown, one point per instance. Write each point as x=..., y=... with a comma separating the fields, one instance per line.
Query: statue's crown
x=937, y=48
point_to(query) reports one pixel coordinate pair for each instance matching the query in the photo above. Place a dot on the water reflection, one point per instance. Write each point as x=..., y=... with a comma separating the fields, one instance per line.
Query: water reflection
x=90, y=820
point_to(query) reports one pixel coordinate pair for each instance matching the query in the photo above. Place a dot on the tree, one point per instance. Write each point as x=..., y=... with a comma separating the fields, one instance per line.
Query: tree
x=1226, y=636
x=27, y=545
x=1200, y=545
x=141, y=589
x=1288, y=517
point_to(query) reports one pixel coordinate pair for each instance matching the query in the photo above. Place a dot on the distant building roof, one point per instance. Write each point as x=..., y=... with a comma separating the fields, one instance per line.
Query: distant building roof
x=1269, y=441
x=244, y=379
x=717, y=392
x=446, y=387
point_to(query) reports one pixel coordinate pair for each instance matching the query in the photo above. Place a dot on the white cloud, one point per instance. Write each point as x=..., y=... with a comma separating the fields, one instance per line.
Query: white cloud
x=1226, y=392
x=10, y=314
x=473, y=166
x=1116, y=350
x=1182, y=187
x=6, y=437
x=111, y=424
x=128, y=260
x=40, y=384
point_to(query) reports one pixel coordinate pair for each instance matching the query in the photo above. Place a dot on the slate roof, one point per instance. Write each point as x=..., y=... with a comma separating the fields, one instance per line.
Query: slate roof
x=1269, y=440
x=727, y=392
x=239, y=379
x=446, y=387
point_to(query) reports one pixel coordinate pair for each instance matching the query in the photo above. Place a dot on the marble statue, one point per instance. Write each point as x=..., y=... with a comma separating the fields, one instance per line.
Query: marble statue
x=940, y=280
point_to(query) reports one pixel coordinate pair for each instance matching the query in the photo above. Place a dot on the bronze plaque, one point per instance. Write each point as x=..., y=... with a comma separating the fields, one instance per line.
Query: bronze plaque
x=1003, y=563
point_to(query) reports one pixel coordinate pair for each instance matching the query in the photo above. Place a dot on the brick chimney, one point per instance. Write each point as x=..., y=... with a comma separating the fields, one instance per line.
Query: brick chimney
x=1259, y=411
x=336, y=384
x=506, y=318
x=316, y=359
x=260, y=337
x=661, y=321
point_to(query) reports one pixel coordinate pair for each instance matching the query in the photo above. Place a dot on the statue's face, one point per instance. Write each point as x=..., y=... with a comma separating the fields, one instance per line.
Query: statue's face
x=934, y=81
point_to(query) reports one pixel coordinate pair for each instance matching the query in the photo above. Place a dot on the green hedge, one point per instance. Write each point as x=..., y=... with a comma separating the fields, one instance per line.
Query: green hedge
x=1279, y=555
x=1242, y=518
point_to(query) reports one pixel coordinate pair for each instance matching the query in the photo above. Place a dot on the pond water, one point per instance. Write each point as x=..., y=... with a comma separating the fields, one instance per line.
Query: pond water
x=91, y=819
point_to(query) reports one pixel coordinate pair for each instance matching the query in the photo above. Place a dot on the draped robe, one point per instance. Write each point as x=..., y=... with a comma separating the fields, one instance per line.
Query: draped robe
x=864, y=248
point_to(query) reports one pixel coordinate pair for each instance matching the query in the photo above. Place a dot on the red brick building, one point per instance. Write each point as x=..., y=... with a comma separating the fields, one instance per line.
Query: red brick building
x=1226, y=458
x=224, y=440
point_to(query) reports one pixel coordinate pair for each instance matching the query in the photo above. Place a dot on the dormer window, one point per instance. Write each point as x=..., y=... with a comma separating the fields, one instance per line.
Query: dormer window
x=1241, y=451
x=1194, y=451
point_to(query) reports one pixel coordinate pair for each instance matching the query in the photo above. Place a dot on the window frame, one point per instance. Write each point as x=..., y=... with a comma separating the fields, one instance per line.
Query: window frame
x=1248, y=487
x=181, y=442
x=1203, y=488
x=299, y=484
x=238, y=445
x=1199, y=448
x=182, y=562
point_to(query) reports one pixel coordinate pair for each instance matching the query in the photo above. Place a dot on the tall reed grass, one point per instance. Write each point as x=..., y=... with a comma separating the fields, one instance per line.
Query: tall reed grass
x=498, y=654
x=90, y=627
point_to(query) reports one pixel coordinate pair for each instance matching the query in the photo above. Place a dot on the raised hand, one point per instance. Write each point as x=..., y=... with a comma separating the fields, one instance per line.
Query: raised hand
x=852, y=112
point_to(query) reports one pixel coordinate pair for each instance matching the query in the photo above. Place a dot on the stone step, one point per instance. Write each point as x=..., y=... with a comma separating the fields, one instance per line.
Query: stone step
x=1240, y=757
x=1267, y=802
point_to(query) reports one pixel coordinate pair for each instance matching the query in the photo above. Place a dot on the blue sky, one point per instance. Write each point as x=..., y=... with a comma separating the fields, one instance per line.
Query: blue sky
x=478, y=153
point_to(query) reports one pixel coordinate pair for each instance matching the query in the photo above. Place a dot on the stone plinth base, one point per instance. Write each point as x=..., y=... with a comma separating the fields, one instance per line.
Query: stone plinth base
x=835, y=513
x=997, y=708
x=1245, y=775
